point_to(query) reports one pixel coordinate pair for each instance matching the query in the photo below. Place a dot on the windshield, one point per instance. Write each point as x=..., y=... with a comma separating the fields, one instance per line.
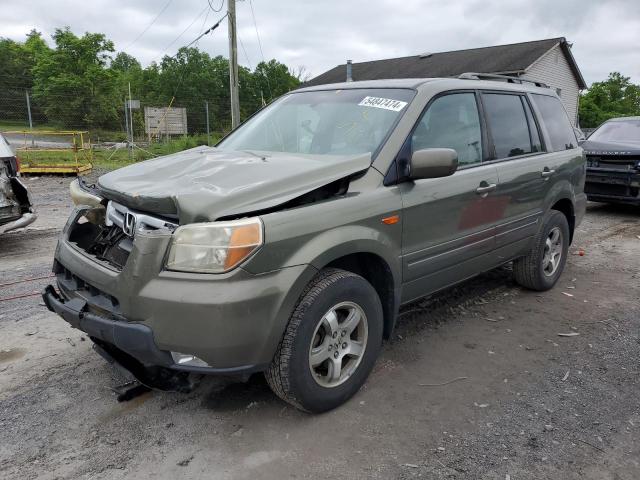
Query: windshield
x=327, y=122
x=618, y=131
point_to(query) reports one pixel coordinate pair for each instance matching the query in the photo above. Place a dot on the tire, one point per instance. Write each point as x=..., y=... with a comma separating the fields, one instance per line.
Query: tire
x=536, y=270
x=314, y=329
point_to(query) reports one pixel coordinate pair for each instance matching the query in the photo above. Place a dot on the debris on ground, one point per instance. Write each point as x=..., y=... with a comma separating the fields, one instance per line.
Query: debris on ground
x=185, y=462
x=457, y=379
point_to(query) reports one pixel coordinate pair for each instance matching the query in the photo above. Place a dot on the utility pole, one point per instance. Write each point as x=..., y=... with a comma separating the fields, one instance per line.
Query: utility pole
x=126, y=120
x=233, y=64
x=130, y=117
x=206, y=111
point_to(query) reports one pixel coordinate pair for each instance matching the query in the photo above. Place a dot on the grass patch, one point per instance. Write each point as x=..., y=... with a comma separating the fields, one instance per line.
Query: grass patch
x=111, y=159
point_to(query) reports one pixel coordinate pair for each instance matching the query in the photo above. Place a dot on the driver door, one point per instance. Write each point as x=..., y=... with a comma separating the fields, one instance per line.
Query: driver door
x=449, y=223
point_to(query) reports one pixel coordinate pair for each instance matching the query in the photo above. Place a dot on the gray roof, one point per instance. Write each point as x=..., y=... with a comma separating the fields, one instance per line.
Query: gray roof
x=506, y=59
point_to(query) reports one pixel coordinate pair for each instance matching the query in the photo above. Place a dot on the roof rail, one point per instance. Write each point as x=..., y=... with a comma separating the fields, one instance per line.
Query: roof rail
x=500, y=78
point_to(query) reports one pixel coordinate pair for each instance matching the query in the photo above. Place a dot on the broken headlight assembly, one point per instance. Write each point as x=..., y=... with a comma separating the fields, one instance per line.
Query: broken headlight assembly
x=215, y=247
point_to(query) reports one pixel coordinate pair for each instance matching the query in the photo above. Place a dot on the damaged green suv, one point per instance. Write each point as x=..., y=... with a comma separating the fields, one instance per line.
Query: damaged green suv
x=289, y=247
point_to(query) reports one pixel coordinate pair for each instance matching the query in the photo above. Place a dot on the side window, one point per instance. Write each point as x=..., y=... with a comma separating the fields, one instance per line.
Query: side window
x=451, y=121
x=555, y=118
x=533, y=127
x=508, y=124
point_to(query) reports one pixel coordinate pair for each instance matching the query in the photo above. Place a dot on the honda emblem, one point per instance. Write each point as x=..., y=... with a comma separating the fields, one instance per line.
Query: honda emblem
x=129, y=225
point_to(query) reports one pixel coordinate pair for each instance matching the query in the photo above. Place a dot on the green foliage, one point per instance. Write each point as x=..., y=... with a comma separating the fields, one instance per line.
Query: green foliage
x=615, y=97
x=80, y=83
x=73, y=83
x=17, y=61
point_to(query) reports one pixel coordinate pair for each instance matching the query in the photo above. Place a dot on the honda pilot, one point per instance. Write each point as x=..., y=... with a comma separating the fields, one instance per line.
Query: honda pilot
x=289, y=247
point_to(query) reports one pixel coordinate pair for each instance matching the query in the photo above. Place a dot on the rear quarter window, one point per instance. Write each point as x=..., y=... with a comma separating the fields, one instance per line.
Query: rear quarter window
x=555, y=118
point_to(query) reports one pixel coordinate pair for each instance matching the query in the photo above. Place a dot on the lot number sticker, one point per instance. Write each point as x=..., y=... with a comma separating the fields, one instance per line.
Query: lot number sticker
x=385, y=103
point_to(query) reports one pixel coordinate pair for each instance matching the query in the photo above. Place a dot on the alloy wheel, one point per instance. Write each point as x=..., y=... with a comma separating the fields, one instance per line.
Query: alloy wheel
x=338, y=344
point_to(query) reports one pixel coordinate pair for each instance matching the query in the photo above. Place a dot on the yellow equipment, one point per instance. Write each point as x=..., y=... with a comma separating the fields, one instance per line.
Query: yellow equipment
x=73, y=156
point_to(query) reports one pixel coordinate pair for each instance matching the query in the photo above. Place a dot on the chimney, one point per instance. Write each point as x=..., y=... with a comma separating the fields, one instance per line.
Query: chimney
x=349, y=71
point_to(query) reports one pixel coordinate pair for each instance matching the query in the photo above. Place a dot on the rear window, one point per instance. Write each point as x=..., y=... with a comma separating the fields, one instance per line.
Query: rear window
x=556, y=120
x=508, y=125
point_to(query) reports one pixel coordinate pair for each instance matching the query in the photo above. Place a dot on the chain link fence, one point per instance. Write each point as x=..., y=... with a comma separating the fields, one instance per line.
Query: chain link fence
x=20, y=109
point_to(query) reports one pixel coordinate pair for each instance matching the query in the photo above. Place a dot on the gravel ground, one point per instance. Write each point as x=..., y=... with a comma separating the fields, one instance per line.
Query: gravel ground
x=505, y=395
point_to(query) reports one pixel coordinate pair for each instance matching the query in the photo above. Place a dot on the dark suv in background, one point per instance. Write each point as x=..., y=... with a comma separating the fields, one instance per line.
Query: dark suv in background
x=613, y=161
x=289, y=248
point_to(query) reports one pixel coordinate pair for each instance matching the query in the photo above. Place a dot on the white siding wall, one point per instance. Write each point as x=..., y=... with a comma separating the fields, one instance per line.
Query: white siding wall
x=553, y=69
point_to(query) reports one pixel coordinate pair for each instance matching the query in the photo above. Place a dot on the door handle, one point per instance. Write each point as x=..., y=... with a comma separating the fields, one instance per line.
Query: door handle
x=546, y=173
x=486, y=189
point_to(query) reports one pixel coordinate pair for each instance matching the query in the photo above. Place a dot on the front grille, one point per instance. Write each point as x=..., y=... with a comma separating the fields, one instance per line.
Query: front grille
x=105, y=243
x=108, y=235
x=614, y=162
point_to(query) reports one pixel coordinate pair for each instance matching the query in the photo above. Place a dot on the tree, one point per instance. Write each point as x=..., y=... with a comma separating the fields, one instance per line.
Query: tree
x=17, y=60
x=274, y=79
x=615, y=97
x=73, y=83
x=80, y=83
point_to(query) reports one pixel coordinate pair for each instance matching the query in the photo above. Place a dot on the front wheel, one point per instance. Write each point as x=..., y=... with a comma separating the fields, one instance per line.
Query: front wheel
x=543, y=265
x=331, y=343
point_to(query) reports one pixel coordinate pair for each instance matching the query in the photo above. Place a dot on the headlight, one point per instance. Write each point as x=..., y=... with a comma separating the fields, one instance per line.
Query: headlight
x=214, y=247
x=82, y=197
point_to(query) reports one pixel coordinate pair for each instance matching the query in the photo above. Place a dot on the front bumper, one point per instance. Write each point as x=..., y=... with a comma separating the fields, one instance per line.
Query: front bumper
x=233, y=322
x=23, y=221
x=610, y=185
x=135, y=339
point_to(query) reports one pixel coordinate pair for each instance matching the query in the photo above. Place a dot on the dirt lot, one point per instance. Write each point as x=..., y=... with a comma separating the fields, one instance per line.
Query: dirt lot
x=526, y=403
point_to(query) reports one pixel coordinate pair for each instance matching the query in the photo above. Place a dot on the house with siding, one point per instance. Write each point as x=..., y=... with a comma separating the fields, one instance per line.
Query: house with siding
x=549, y=61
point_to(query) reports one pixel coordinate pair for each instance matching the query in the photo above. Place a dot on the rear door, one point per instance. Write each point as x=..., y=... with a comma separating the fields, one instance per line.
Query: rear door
x=517, y=152
x=529, y=164
x=448, y=226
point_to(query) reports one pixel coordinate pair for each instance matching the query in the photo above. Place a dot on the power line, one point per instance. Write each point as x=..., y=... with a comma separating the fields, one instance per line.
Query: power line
x=183, y=32
x=255, y=25
x=245, y=52
x=211, y=29
x=219, y=9
x=149, y=26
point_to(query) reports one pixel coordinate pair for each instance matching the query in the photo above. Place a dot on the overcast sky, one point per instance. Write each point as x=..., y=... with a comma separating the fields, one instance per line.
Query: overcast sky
x=322, y=34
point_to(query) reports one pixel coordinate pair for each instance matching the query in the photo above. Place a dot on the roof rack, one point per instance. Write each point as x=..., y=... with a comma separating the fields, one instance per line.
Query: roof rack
x=501, y=78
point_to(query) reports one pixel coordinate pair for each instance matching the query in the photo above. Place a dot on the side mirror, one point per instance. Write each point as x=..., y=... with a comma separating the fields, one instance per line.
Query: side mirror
x=433, y=163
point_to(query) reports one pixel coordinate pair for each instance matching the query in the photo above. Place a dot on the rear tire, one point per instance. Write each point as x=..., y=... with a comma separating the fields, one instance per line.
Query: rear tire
x=542, y=266
x=331, y=342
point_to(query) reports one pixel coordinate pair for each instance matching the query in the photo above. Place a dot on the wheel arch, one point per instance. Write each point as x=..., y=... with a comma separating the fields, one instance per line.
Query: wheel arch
x=374, y=269
x=561, y=198
x=565, y=206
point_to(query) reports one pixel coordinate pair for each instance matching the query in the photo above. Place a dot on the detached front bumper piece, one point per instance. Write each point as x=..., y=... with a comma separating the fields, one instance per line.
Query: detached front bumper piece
x=133, y=339
x=23, y=221
x=128, y=345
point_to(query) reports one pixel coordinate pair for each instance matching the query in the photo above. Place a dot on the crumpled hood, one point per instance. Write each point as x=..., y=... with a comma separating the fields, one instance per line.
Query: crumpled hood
x=205, y=183
x=594, y=147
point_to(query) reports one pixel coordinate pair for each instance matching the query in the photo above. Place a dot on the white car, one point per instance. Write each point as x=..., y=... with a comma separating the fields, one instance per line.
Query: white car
x=16, y=208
